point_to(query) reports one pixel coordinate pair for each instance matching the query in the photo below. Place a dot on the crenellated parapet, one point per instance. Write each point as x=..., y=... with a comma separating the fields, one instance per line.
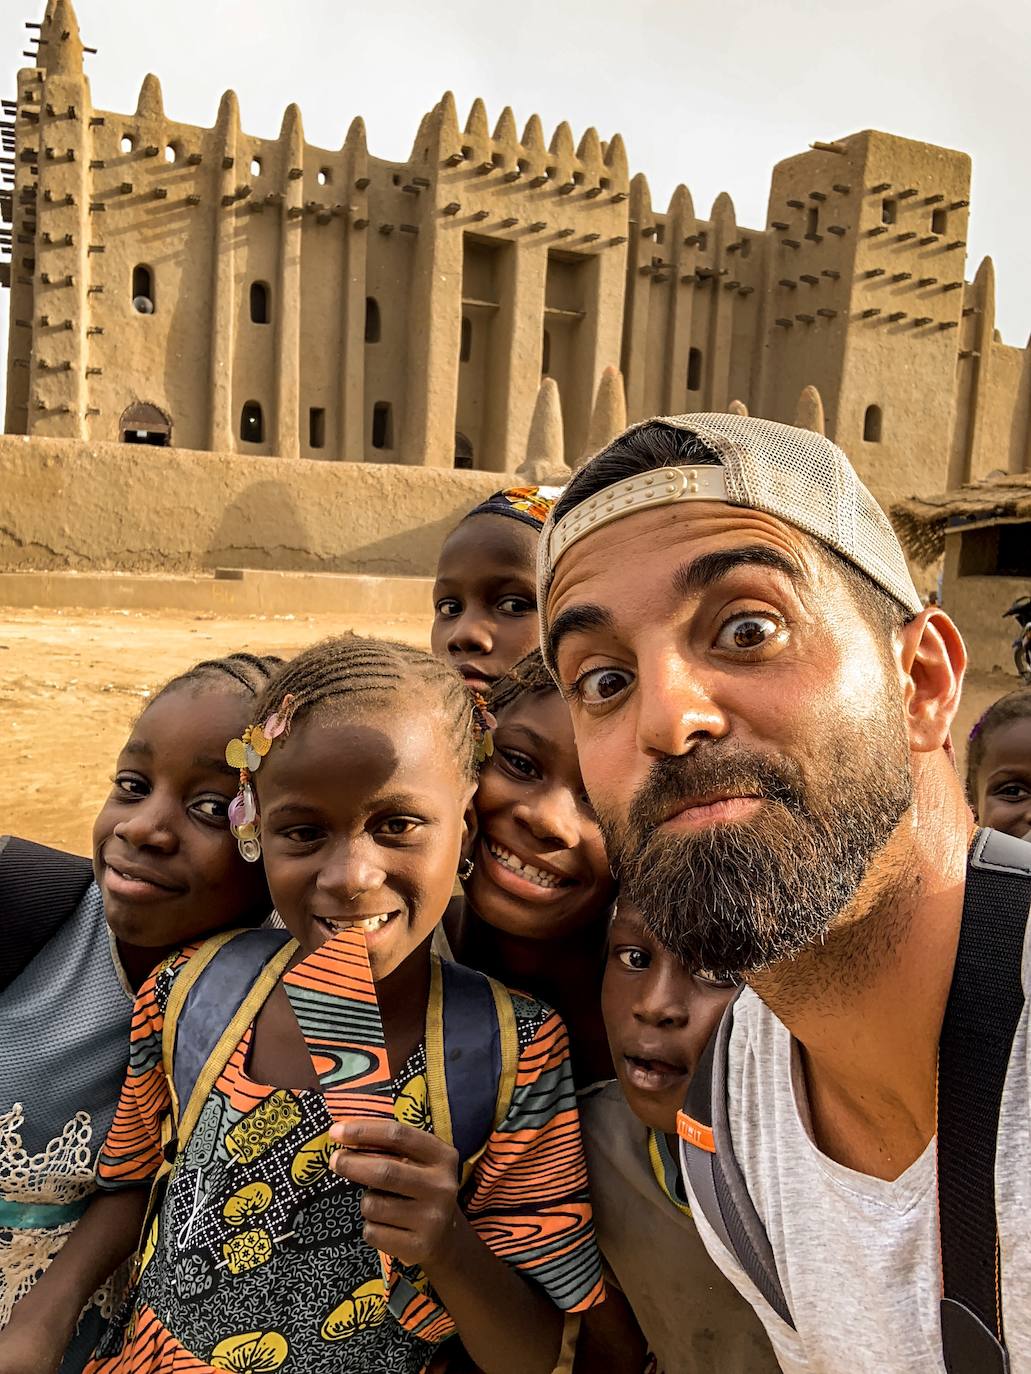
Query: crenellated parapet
x=210, y=289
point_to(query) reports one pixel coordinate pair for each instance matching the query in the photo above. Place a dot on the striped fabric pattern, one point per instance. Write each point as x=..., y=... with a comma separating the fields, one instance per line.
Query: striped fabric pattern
x=253, y=1184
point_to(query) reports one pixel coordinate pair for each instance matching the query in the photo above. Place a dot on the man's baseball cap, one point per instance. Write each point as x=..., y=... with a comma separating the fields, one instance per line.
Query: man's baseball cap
x=794, y=474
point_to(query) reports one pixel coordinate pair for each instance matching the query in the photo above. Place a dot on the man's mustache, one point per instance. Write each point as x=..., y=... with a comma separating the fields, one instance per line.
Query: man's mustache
x=730, y=769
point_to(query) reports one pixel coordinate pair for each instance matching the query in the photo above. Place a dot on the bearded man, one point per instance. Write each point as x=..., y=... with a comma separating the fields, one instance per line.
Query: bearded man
x=762, y=710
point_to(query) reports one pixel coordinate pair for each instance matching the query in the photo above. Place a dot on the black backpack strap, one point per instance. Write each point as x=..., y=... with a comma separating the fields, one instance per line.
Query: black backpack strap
x=212, y=1000
x=985, y=1003
x=472, y=1056
x=717, y=1183
x=40, y=889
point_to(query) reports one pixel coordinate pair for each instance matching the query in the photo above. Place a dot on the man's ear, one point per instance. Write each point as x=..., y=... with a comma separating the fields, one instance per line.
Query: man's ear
x=933, y=661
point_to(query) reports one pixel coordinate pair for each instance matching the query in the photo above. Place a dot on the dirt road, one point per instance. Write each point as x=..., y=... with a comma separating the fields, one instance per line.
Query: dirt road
x=72, y=681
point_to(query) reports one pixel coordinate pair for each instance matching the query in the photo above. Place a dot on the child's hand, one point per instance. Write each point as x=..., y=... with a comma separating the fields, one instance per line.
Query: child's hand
x=411, y=1181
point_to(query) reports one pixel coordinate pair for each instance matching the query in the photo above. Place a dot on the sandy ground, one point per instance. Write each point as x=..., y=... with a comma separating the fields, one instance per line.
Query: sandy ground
x=71, y=682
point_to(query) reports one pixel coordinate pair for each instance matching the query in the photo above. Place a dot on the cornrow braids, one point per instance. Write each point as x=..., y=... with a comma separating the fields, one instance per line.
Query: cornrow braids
x=1013, y=706
x=528, y=677
x=252, y=672
x=353, y=670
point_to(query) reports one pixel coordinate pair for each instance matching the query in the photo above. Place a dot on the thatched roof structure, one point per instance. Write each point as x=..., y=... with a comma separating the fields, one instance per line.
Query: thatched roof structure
x=921, y=521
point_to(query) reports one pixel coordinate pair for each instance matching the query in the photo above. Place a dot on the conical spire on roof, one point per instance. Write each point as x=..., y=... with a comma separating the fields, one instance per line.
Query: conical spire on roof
x=62, y=53
x=608, y=418
x=809, y=412
x=589, y=149
x=615, y=156
x=545, y=450
x=476, y=126
x=723, y=210
x=447, y=119
x=150, y=104
x=356, y=134
x=505, y=129
x=562, y=142
x=533, y=135
x=228, y=118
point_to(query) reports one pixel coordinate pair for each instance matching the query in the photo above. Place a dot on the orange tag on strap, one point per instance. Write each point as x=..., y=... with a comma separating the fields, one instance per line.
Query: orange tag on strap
x=695, y=1133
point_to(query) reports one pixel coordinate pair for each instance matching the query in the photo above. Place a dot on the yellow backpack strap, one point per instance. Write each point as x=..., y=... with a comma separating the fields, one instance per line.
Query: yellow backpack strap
x=436, y=1080
x=509, y=1050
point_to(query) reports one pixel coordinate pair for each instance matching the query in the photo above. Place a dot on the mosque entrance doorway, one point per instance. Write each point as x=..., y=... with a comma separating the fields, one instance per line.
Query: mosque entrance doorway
x=142, y=423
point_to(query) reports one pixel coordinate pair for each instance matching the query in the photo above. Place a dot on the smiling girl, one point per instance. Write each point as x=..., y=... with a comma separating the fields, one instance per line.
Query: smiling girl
x=291, y=1235
x=537, y=901
x=165, y=871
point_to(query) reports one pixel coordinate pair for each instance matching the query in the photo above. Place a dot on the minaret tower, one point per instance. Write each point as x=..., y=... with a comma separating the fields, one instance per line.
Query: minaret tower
x=57, y=365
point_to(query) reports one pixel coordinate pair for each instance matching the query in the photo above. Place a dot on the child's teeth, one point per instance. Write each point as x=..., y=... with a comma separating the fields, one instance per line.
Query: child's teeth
x=370, y=923
x=535, y=875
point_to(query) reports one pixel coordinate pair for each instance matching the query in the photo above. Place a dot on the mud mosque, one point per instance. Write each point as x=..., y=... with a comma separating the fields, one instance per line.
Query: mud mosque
x=498, y=302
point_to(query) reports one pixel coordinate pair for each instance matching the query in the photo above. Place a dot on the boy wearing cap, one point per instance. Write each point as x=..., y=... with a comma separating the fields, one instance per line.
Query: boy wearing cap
x=762, y=709
x=658, y=1017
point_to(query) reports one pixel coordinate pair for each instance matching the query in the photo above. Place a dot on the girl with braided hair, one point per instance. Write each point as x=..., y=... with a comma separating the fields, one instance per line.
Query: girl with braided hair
x=537, y=901
x=165, y=870
x=298, y=1230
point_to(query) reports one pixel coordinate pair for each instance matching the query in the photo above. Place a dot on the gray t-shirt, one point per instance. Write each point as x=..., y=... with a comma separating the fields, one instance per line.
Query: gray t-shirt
x=858, y=1256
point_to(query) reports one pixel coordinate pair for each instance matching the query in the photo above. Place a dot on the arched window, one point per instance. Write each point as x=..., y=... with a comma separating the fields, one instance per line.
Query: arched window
x=463, y=450
x=259, y=302
x=372, y=322
x=545, y=354
x=872, y=422
x=171, y=153
x=143, y=423
x=465, y=351
x=694, y=369
x=127, y=143
x=255, y=166
x=143, y=289
x=252, y=423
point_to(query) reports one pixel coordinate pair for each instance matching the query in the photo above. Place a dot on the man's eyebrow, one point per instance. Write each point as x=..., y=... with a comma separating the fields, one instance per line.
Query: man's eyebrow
x=709, y=568
x=577, y=618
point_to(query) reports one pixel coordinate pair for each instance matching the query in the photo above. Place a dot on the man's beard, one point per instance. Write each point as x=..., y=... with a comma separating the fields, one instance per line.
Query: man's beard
x=738, y=897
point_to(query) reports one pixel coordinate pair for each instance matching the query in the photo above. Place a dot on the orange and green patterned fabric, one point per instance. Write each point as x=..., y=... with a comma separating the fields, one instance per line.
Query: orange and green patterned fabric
x=256, y=1260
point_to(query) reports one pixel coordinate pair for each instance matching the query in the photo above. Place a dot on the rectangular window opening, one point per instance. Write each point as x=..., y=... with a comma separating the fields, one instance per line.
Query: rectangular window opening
x=382, y=425
x=317, y=427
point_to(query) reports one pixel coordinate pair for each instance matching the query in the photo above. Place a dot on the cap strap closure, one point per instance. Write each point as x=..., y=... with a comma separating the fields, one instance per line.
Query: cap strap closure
x=661, y=487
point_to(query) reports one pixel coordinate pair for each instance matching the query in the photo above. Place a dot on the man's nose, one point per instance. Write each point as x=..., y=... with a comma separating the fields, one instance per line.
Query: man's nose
x=676, y=709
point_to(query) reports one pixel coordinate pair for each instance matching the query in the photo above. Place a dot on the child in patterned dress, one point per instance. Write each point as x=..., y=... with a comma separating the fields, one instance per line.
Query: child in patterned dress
x=289, y=1239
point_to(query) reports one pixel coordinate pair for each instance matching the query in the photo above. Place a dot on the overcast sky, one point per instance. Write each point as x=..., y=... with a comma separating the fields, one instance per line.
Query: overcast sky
x=712, y=95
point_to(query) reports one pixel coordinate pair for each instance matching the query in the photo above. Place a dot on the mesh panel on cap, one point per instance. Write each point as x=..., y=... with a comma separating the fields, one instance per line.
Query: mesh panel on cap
x=806, y=480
